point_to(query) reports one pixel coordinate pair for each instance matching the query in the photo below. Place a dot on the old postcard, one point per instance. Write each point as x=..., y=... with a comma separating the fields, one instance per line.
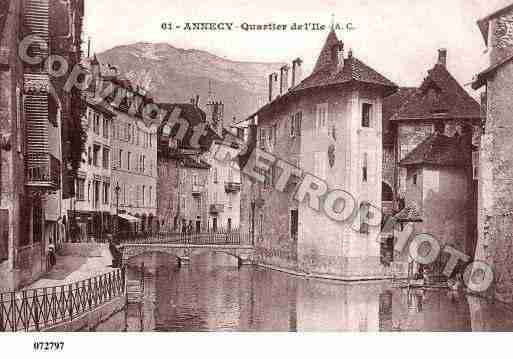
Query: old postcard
x=271, y=166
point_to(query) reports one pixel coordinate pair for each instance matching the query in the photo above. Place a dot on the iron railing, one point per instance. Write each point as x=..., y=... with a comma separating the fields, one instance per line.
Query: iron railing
x=37, y=309
x=221, y=237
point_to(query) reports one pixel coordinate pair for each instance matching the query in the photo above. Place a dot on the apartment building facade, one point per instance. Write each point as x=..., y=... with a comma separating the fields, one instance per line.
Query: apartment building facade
x=183, y=198
x=34, y=124
x=134, y=170
x=90, y=209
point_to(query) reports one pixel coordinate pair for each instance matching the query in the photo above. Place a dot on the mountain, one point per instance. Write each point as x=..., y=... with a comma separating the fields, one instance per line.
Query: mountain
x=176, y=75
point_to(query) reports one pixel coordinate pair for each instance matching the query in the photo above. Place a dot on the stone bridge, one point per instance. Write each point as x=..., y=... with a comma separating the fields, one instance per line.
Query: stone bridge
x=184, y=252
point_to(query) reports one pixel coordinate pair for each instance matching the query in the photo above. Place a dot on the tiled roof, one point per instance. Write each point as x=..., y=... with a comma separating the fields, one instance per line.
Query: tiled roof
x=481, y=78
x=437, y=149
x=410, y=213
x=353, y=70
x=439, y=97
x=325, y=75
x=194, y=116
x=392, y=104
x=324, y=58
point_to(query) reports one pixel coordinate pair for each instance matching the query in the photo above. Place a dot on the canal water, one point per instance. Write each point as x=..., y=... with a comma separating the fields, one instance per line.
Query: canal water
x=212, y=294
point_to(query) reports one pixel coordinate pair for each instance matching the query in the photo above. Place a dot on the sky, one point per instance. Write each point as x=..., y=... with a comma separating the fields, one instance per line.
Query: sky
x=399, y=38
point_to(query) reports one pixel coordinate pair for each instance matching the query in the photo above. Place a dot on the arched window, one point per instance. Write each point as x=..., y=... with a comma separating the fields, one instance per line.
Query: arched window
x=387, y=195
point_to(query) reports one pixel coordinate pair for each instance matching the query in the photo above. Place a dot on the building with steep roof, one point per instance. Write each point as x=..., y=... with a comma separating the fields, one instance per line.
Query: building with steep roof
x=328, y=124
x=183, y=174
x=432, y=135
x=439, y=191
x=495, y=222
x=413, y=114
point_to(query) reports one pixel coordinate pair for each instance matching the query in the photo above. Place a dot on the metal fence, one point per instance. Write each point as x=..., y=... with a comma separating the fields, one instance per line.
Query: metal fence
x=203, y=238
x=37, y=309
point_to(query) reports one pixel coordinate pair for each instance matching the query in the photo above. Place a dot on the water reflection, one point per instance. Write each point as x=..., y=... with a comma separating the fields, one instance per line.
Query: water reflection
x=213, y=294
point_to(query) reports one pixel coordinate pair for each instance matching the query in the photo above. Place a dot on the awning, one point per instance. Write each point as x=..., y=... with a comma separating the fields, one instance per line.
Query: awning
x=129, y=218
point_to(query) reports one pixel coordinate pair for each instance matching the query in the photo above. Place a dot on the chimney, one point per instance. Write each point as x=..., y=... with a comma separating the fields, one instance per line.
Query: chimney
x=442, y=57
x=273, y=86
x=284, y=79
x=297, y=72
x=337, y=56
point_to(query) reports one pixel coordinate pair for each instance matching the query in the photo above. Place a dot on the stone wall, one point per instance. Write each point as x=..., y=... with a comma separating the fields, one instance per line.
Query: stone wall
x=90, y=320
x=496, y=187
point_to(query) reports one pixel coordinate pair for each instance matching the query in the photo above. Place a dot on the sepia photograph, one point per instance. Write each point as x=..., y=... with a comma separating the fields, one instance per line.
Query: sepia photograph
x=254, y=167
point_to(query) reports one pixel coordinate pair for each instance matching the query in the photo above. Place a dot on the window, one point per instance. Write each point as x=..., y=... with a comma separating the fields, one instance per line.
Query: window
x=96, y=155
x=387, y=195
x=364, y=217
x=37, y=223
x=271, y=136
x=195, y=179
x=294, y=223
x=366, y=114
x=120, y=159
x=106, y=128
x=321, y=118
x=150, y=195
x=96, y=194
x=129, y=134
x=128, y=159
x=80, y=189
x=387, y=251
x=89, y=156
x=184, y=203
x=262, y=139
x=295, y=124
x=415, y=179
x=143, y=196
x=215, y=175
x=106, y=192
x=89, y=118
x=19, y=129
x=365, y=167
x=475, y=165
x=106, y=158
x=320, y=165
x=96, y=123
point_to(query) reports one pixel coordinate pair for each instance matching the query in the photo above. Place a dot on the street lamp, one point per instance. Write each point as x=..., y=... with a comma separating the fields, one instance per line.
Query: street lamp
x=116, y=190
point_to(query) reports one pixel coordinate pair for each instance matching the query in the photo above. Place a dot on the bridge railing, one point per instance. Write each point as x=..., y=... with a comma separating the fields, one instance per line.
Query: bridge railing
x=223, y=237
x=37, y=309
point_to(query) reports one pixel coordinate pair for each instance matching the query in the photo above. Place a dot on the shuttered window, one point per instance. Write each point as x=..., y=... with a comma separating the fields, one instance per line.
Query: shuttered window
x=4, y=235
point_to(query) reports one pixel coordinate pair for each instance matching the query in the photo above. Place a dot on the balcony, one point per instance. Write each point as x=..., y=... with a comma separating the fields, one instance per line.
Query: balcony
x=216, y=208
x=43, y=171
x=232, y=187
